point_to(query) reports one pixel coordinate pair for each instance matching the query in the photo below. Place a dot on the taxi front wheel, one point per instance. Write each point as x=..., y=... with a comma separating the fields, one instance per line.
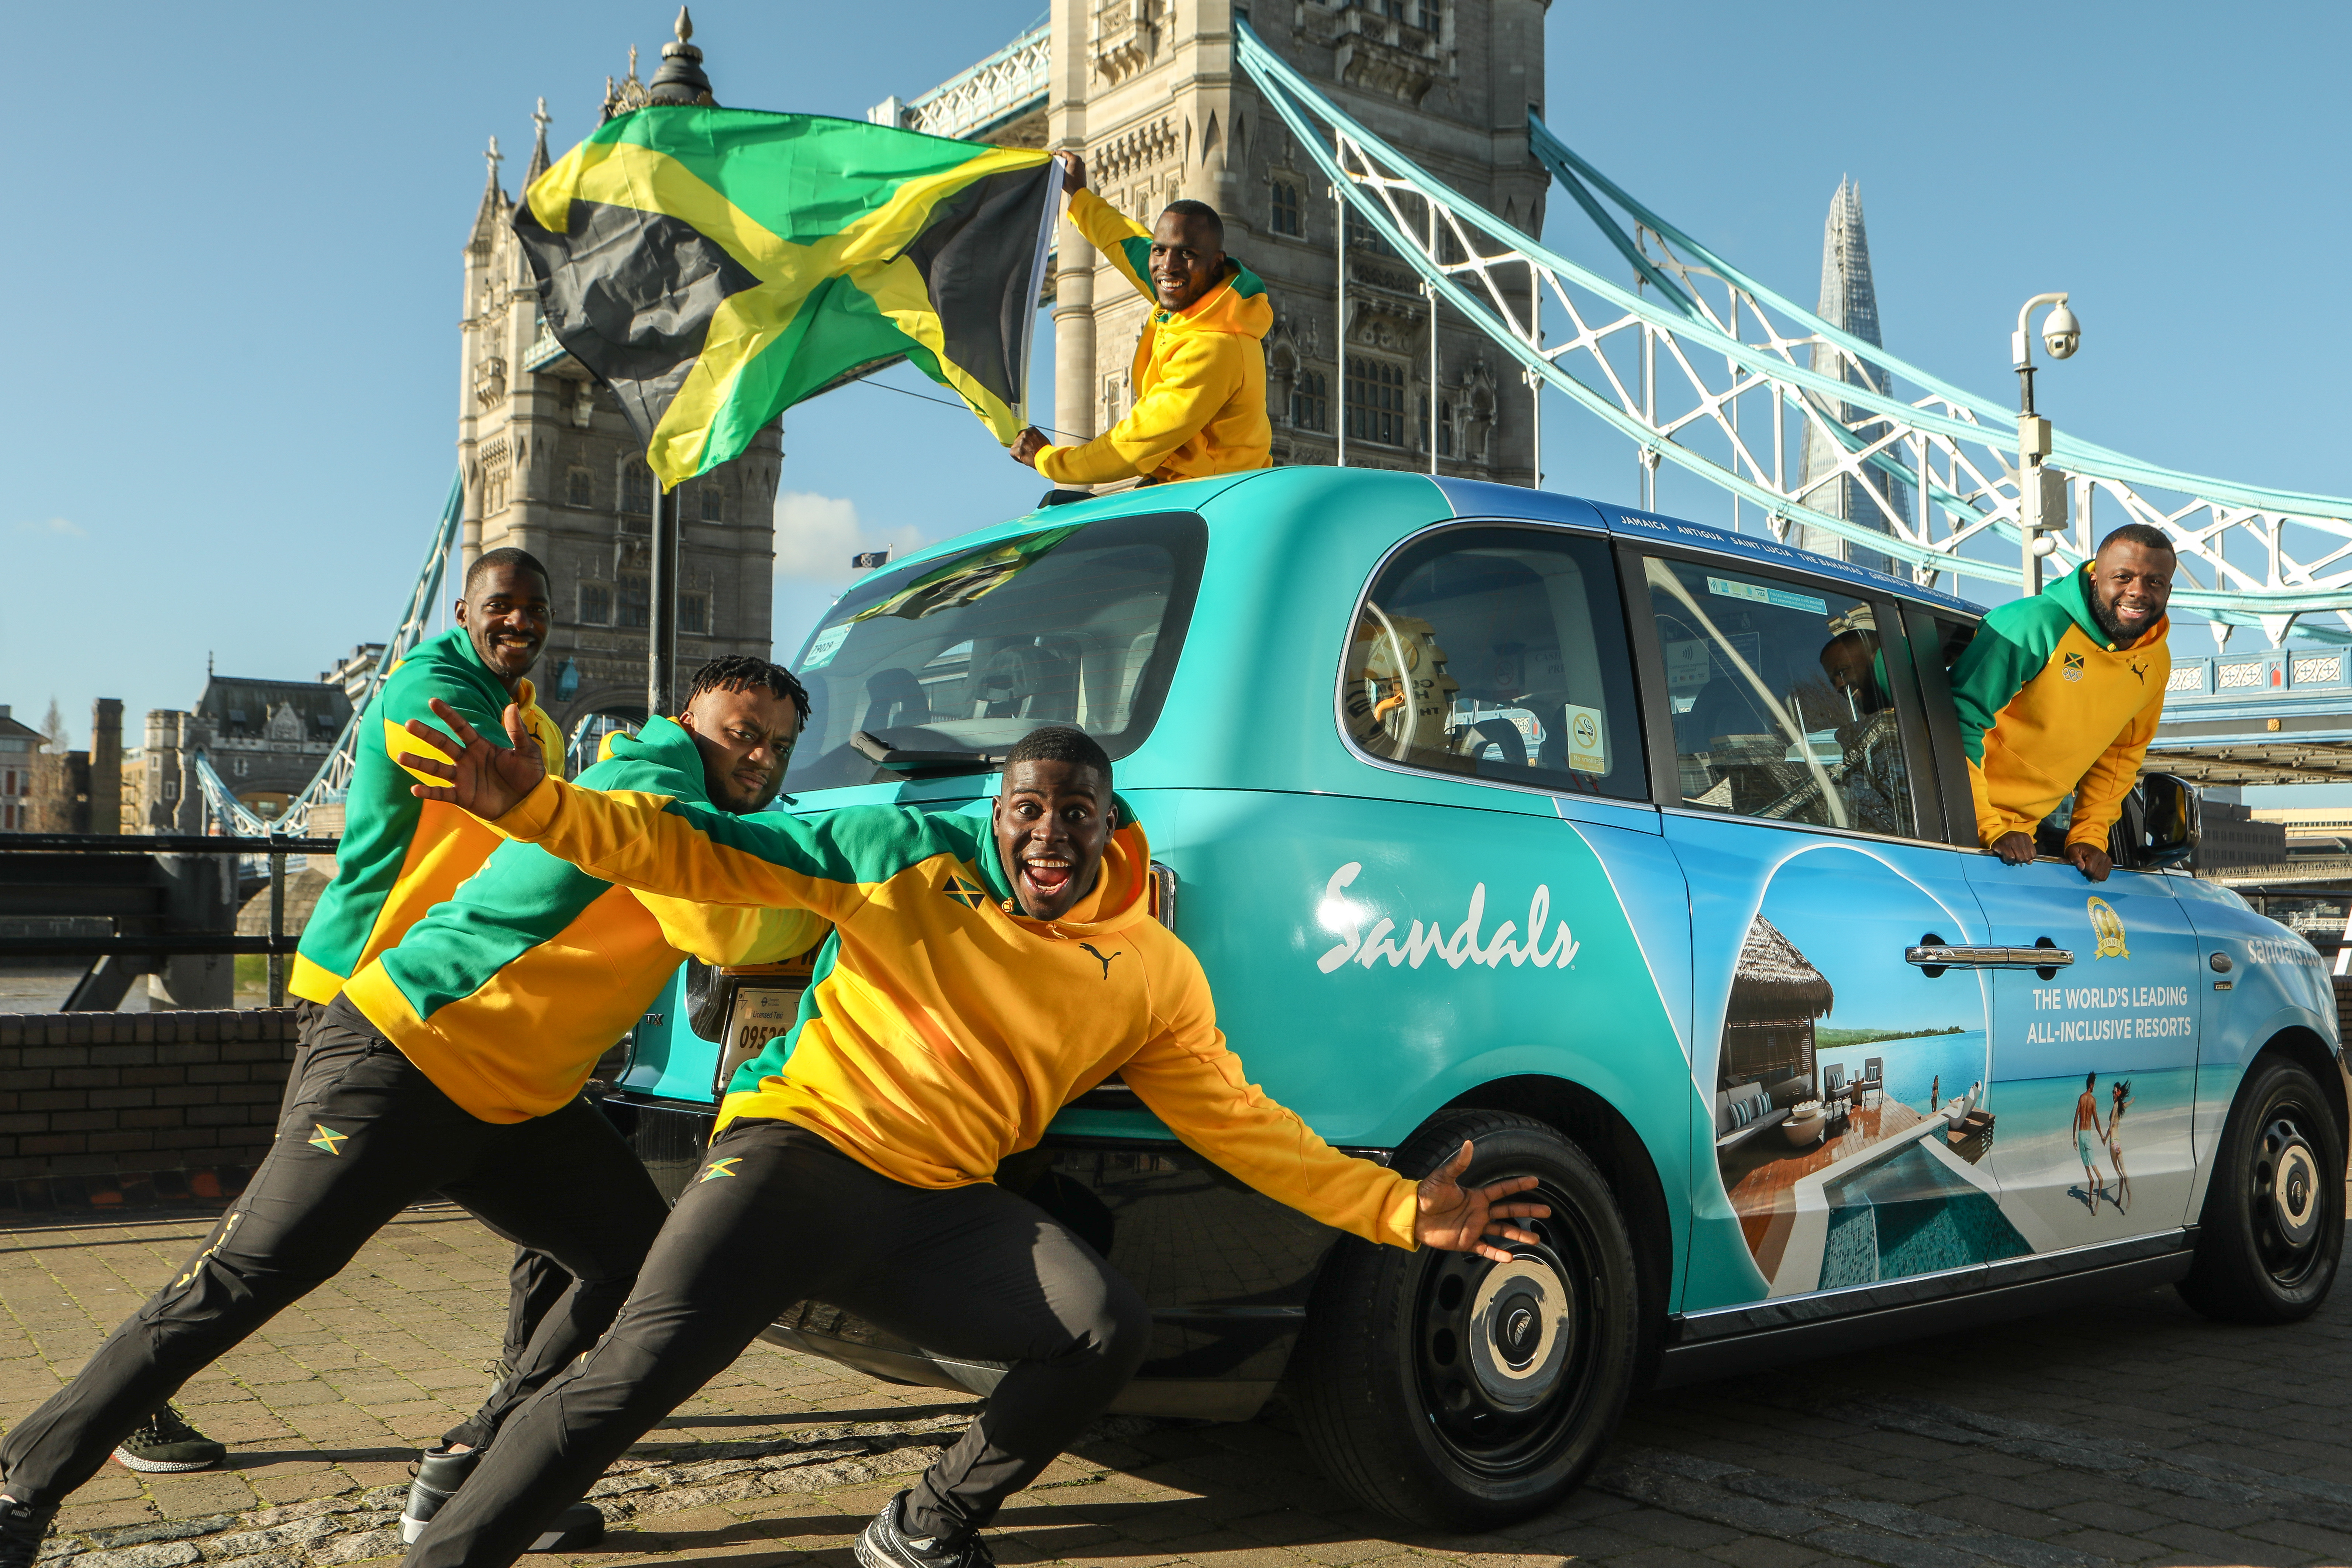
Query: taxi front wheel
x=1453, y=1392
x=2272, y=1233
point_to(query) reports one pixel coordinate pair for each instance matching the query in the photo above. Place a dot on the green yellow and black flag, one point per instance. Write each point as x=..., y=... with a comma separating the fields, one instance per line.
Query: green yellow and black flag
x=716, y=265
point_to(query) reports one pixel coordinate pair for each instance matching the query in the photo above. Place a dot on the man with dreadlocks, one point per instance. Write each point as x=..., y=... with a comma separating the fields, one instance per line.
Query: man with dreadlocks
x=453, y=1061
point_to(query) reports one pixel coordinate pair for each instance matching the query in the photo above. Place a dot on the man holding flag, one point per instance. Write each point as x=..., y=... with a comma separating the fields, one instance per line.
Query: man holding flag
x=1199, y=367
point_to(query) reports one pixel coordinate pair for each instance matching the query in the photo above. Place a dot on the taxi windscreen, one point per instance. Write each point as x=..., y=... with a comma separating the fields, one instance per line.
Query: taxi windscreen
x=955, y=660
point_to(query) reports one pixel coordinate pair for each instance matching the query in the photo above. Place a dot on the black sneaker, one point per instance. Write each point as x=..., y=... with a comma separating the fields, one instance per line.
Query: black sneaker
x=885, y=1543
x=439, y=1473
x=22, y=1528
x=167, y=1445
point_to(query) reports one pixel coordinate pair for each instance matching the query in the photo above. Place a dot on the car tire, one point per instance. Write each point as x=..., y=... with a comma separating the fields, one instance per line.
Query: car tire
x=1454, y=1393
x=2271, y=1232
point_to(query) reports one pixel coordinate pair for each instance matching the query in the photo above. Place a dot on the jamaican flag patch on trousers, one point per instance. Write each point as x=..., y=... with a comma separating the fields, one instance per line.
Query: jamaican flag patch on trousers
x=716, y=265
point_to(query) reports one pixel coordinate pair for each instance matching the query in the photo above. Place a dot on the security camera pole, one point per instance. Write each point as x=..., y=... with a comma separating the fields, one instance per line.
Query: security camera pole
x=2041, y=491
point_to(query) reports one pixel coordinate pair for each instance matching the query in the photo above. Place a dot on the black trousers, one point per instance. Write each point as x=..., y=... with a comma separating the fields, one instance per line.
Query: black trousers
x=535, y=1283
x=363, y=1135
x=776, y=1215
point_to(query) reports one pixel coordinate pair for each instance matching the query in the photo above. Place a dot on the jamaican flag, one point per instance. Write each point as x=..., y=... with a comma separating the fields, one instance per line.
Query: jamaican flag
x=716, y=265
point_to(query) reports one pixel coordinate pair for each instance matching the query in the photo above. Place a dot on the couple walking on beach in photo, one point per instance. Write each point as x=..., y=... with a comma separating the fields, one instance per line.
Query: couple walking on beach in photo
x=2089, y=1134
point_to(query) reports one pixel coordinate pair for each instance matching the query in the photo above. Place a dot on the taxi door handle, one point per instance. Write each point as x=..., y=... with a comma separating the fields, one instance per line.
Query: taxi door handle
x=1947, y=957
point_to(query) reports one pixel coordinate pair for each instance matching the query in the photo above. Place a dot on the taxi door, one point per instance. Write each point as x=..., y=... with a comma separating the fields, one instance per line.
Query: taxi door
x=2093, y=1089
x=2095, y=1057
x=1831, y=1063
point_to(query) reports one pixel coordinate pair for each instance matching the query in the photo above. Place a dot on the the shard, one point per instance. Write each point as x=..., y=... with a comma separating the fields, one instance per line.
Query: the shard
x=1849, y=301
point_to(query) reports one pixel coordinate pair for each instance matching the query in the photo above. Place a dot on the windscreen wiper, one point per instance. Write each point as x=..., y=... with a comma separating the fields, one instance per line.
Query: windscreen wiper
x=879, y=752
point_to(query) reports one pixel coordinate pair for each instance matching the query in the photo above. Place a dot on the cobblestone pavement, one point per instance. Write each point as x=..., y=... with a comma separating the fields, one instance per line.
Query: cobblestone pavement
x=2135, y=1432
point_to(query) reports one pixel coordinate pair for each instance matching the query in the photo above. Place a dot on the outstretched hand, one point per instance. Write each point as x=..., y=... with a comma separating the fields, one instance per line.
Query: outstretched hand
x=1456, y=1218
x=487, y=780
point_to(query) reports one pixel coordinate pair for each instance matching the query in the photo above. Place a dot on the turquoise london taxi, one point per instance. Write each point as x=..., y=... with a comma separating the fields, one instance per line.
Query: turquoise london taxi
x=1641, y=853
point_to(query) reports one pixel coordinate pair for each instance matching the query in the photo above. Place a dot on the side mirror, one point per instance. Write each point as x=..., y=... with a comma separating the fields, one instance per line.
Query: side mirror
x=2159, y=824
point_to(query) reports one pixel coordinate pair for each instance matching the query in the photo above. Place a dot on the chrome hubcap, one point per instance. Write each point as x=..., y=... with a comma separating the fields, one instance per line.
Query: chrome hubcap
x=1520, y=1329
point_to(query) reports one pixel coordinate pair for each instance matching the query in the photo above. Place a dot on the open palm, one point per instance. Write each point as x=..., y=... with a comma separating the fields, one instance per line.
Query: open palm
x=1456, y=1218
x=487, y=780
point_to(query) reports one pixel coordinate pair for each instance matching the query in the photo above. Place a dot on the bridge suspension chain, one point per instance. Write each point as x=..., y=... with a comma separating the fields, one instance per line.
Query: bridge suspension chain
x=1706, y=340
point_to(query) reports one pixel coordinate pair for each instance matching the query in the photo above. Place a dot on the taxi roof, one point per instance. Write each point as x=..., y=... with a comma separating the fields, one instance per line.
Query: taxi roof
x=1480, y=498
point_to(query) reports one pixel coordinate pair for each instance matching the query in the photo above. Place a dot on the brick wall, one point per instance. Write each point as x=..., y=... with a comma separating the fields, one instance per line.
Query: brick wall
x=133, y=1108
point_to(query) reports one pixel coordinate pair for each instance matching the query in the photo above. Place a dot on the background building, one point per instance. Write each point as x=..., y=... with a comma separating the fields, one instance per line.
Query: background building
x=549, y=466
x=20, y=744
x=1849, y=301
x=1149, y=91
x=2234, y=835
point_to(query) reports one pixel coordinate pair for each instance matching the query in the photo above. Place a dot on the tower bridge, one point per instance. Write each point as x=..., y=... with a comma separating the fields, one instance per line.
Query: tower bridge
x=1386, y=165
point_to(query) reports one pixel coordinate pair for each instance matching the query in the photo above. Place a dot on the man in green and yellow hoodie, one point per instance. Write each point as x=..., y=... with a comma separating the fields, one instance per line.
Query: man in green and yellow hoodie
x=401, y=856
x=983, y=973
x=453, y=1061
x=1199, y=365
x=2060, y=694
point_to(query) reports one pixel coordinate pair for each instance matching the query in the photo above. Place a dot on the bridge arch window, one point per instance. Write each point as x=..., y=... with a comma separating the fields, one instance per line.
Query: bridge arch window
x=714, y=503
x=1310, y=401
x=636, y=487
x=1283, y=215
x=636, y=600
x=579, y=488
x=1375, y=392
x=694, y=614
x=595, y=604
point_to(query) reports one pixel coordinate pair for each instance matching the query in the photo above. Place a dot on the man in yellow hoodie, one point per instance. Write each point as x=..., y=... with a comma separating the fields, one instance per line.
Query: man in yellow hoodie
x=1199, y=367
x=983, y=973
x=2060, y=694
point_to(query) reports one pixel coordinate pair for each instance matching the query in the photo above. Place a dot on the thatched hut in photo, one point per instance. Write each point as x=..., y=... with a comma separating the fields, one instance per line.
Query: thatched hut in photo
x=1768, y=1030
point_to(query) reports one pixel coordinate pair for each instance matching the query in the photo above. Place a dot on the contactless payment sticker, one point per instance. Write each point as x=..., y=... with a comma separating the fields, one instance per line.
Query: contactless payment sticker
x=1588, y=739
x=1685, y=664
x=828, y=643
x=1729, y=588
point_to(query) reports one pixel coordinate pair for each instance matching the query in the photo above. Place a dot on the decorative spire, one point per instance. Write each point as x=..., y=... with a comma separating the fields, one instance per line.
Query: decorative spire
x=540, y=119
x=626, y=95
x=681, y=77
x=491, y=214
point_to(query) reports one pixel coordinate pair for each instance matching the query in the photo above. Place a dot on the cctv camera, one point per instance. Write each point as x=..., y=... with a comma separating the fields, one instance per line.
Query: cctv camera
x=2061, y=335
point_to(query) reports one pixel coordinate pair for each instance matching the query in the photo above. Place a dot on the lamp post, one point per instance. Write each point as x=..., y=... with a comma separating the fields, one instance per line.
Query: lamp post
x=2041, y=494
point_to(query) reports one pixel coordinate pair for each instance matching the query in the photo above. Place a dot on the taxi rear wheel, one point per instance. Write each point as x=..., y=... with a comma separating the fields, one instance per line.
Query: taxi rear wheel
x=1453, y=1392
x=2272, y=1233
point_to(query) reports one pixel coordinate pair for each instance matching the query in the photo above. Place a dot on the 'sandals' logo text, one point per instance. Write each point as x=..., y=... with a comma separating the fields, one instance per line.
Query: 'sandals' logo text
x=1344, y=917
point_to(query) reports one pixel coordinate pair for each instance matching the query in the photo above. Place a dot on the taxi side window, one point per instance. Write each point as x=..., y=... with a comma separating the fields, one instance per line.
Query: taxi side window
x=1498, y=652
x=1780, y=700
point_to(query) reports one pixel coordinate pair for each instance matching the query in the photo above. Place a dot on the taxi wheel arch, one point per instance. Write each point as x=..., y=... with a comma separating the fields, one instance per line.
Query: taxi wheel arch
x=2254, y=1263
x=1400, y=1394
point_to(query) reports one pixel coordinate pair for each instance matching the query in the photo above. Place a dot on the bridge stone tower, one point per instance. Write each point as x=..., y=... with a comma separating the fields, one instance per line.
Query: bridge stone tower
x=1148, y=90
x=551, y=466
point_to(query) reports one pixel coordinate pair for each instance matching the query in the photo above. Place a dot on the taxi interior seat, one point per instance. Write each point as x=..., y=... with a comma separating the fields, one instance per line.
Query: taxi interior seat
x=895, y=700
x=1025, y=680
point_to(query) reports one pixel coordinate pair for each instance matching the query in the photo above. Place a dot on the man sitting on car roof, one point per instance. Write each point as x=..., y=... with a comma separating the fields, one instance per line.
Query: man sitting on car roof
x=982, y=974
x=1200, y=367
x=2060, y=693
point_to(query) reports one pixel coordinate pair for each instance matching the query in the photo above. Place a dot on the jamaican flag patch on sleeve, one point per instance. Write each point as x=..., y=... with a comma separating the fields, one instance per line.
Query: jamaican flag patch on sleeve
x=714, y=267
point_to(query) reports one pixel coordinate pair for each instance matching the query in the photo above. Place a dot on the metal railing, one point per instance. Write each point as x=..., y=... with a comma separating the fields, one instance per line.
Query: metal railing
x=272, y=847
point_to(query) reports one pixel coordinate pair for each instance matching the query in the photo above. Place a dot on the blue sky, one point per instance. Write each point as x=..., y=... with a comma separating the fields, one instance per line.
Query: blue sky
x=238, y=270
